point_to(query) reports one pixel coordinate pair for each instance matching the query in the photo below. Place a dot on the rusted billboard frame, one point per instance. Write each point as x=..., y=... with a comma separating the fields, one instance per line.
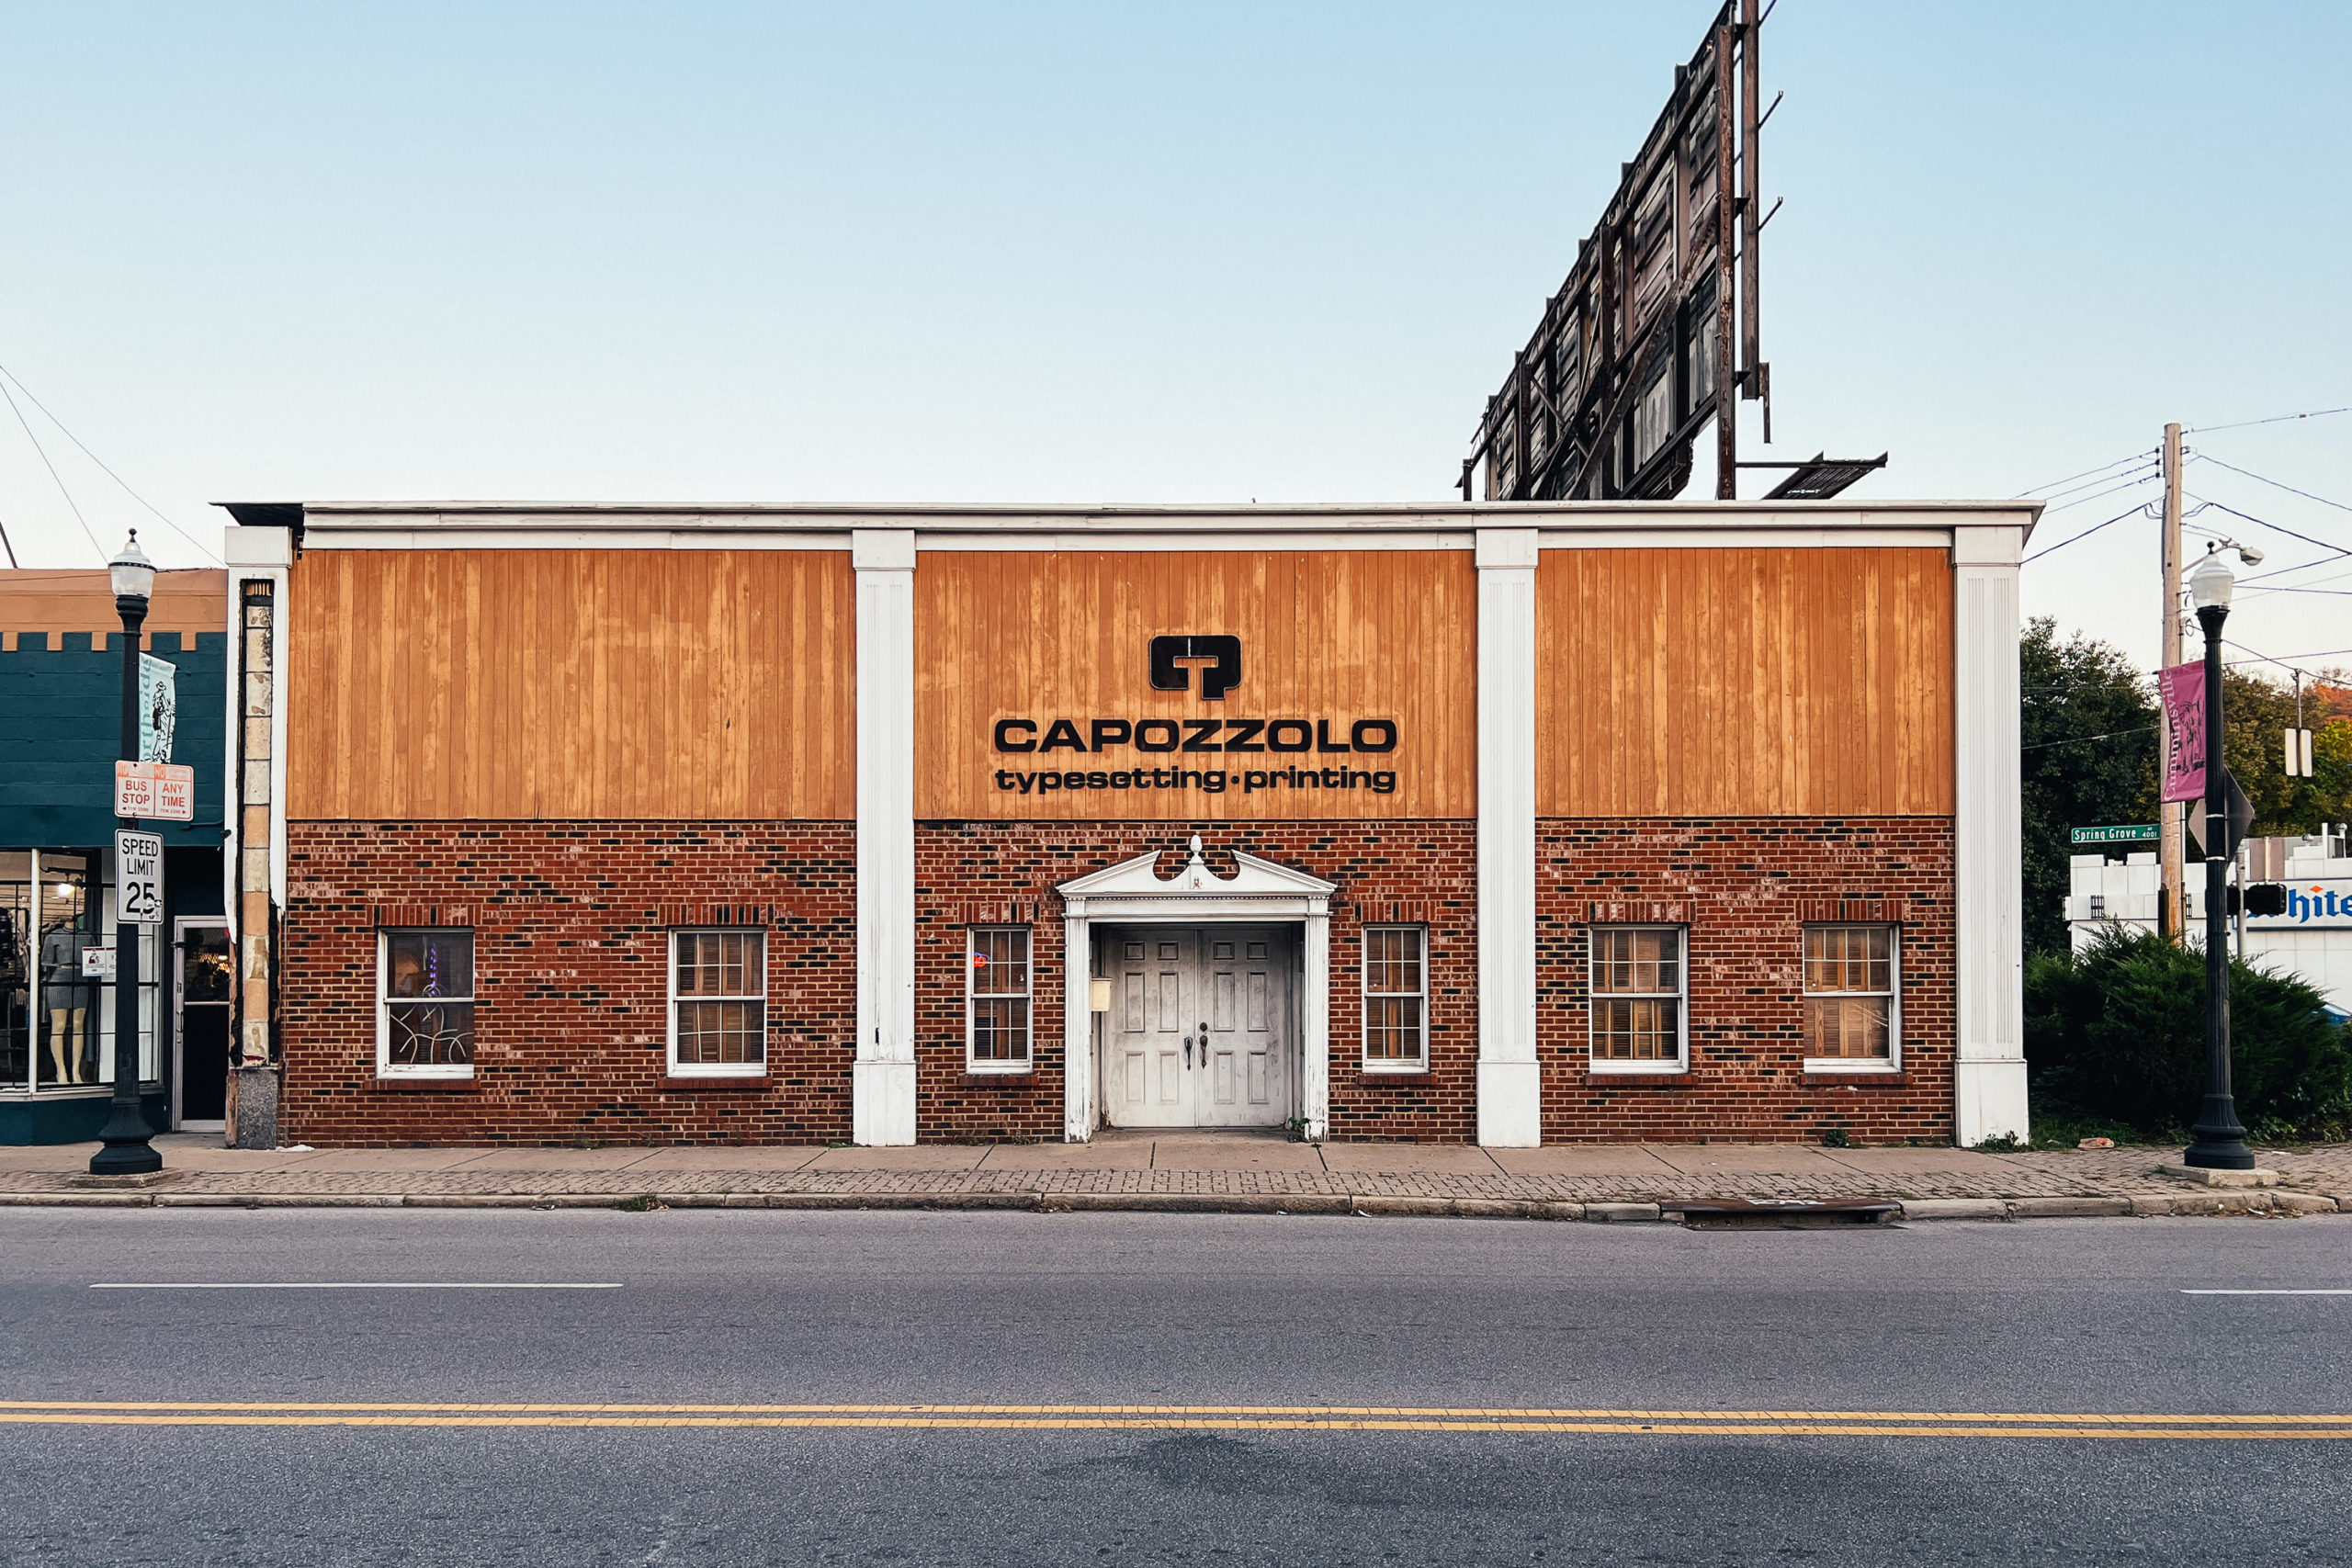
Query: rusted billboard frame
x=1528, y=444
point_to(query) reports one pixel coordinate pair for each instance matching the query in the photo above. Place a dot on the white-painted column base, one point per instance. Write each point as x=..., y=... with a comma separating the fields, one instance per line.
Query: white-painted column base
x=883, y=1103
x=1992, y=1100
x=1511, y=1104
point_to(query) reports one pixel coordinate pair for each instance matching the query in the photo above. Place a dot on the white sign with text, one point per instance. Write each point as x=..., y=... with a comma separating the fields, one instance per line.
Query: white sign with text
x=154, y=792
x=138, y=877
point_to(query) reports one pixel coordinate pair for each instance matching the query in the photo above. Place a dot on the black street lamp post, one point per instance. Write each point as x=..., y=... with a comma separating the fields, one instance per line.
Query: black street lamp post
x=128, y=1151
x=2220, y=1141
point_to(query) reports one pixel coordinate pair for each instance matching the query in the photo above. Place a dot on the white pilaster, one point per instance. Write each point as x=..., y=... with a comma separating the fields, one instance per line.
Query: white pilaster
x=1078, y=1029
x=1314, y=1027
x=1991, y=1092
x=882, y=1080
x=1511, y=1083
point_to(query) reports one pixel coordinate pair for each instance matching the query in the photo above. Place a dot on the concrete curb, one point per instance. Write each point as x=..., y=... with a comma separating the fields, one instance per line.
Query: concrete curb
x=1955, y=1209
x=2219, y=1202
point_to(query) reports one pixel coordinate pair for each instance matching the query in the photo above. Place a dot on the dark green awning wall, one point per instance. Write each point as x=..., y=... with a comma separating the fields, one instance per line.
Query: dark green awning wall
x=59, y=731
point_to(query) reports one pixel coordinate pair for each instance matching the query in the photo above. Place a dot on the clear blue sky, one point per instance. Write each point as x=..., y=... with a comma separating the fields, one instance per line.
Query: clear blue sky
x=1117, y=253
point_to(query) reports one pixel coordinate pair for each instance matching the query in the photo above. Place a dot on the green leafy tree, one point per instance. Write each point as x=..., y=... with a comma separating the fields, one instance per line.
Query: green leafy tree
x=2089, y=759
x=2257, y=711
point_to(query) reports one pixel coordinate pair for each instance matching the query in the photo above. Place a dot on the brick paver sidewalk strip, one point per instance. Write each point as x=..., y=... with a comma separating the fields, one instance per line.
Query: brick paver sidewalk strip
x=1387, y=1179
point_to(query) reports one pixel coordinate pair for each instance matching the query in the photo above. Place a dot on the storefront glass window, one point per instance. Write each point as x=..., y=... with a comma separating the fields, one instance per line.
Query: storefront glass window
x=68, y=1015
x=20, y=945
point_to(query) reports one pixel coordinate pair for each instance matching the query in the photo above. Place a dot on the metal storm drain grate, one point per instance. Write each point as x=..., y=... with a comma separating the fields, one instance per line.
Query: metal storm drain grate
x=1780, y=1213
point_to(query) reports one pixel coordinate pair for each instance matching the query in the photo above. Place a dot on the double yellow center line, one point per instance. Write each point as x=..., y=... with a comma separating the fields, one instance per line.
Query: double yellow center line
x=1189, y=1417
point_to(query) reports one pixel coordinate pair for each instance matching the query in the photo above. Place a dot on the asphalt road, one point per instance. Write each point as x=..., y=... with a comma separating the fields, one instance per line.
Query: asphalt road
x=1204, y=1313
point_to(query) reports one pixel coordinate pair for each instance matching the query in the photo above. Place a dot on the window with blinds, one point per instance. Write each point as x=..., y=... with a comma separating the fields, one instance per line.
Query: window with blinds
x=1851, y=1000
x=1638, y=991
x=719, y=1010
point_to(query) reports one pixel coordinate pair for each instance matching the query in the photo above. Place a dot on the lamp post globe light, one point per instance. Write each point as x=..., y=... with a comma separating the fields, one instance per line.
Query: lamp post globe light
x=127, y=1150
x=2219, y=1139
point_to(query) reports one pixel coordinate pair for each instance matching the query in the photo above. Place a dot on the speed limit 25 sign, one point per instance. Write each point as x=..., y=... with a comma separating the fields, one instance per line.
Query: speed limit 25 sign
x=138, y=877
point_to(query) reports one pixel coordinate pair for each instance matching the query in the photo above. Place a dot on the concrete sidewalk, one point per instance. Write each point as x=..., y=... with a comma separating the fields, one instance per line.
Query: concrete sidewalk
x=1186, y=1170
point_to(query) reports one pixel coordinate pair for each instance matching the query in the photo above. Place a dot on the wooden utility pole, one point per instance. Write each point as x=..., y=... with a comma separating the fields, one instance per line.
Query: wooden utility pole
x=2172, y=911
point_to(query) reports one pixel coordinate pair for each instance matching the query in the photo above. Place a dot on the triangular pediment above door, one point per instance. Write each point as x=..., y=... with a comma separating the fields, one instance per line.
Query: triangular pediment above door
x=1256, y=882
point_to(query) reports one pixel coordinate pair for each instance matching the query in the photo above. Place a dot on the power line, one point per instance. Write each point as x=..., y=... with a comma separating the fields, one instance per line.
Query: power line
x=2099, y=494
x=2086, y=739
x=2057, y=497
x=2290, y=490
x=2275, y=419
x=52, y=473
x=2139, y=511
x=2283, y=571
x=2266, y=659
x=2316, y=582
x=2107, y=484
x=2070, y=479
x=101, y=462
x=2265, y=523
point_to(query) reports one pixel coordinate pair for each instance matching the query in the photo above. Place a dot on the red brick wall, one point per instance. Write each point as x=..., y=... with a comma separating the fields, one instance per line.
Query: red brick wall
x=570, y=923
x=993, y=871
x=1742, y=885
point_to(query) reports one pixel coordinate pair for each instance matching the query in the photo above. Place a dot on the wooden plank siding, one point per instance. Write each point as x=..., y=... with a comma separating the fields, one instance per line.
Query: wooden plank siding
x=1739, y=682
x=686, y=685
x=1336, y=635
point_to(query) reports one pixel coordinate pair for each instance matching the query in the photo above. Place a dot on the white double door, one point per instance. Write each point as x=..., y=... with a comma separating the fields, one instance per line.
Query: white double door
x=1200, y=1032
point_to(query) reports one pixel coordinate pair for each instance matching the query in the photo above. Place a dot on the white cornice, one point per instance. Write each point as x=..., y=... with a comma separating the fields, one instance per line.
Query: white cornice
x=348, y=525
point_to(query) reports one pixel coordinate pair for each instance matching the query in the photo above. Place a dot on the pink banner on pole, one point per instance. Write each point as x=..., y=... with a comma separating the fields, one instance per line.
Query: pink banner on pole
x=2182, y=687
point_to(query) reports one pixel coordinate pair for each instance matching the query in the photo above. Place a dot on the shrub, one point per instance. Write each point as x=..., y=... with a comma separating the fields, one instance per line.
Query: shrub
x=2117, y=1031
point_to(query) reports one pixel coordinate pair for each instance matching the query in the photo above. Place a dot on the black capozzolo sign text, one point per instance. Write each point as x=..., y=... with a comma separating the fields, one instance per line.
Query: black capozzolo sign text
x=1042, y=742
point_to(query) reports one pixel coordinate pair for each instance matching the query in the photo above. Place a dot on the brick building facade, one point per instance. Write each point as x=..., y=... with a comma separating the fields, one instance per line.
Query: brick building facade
x=1501, y=824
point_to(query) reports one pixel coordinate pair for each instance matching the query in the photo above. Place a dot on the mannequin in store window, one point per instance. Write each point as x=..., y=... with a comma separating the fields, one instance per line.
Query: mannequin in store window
x=64, y=995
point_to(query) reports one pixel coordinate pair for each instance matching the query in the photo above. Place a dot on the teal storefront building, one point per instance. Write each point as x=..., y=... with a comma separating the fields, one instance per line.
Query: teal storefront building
x=61, y=673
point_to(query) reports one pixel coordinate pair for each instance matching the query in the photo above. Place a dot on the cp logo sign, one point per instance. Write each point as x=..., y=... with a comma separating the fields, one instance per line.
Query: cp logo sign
x=1170, y=656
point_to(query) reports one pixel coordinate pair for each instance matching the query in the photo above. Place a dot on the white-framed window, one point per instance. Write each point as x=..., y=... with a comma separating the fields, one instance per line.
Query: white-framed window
x=1396, y=998
x=996, y=1000
x=424, y=1003
x=1640, y=982
x=1853, y=998
x=719, y=1009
